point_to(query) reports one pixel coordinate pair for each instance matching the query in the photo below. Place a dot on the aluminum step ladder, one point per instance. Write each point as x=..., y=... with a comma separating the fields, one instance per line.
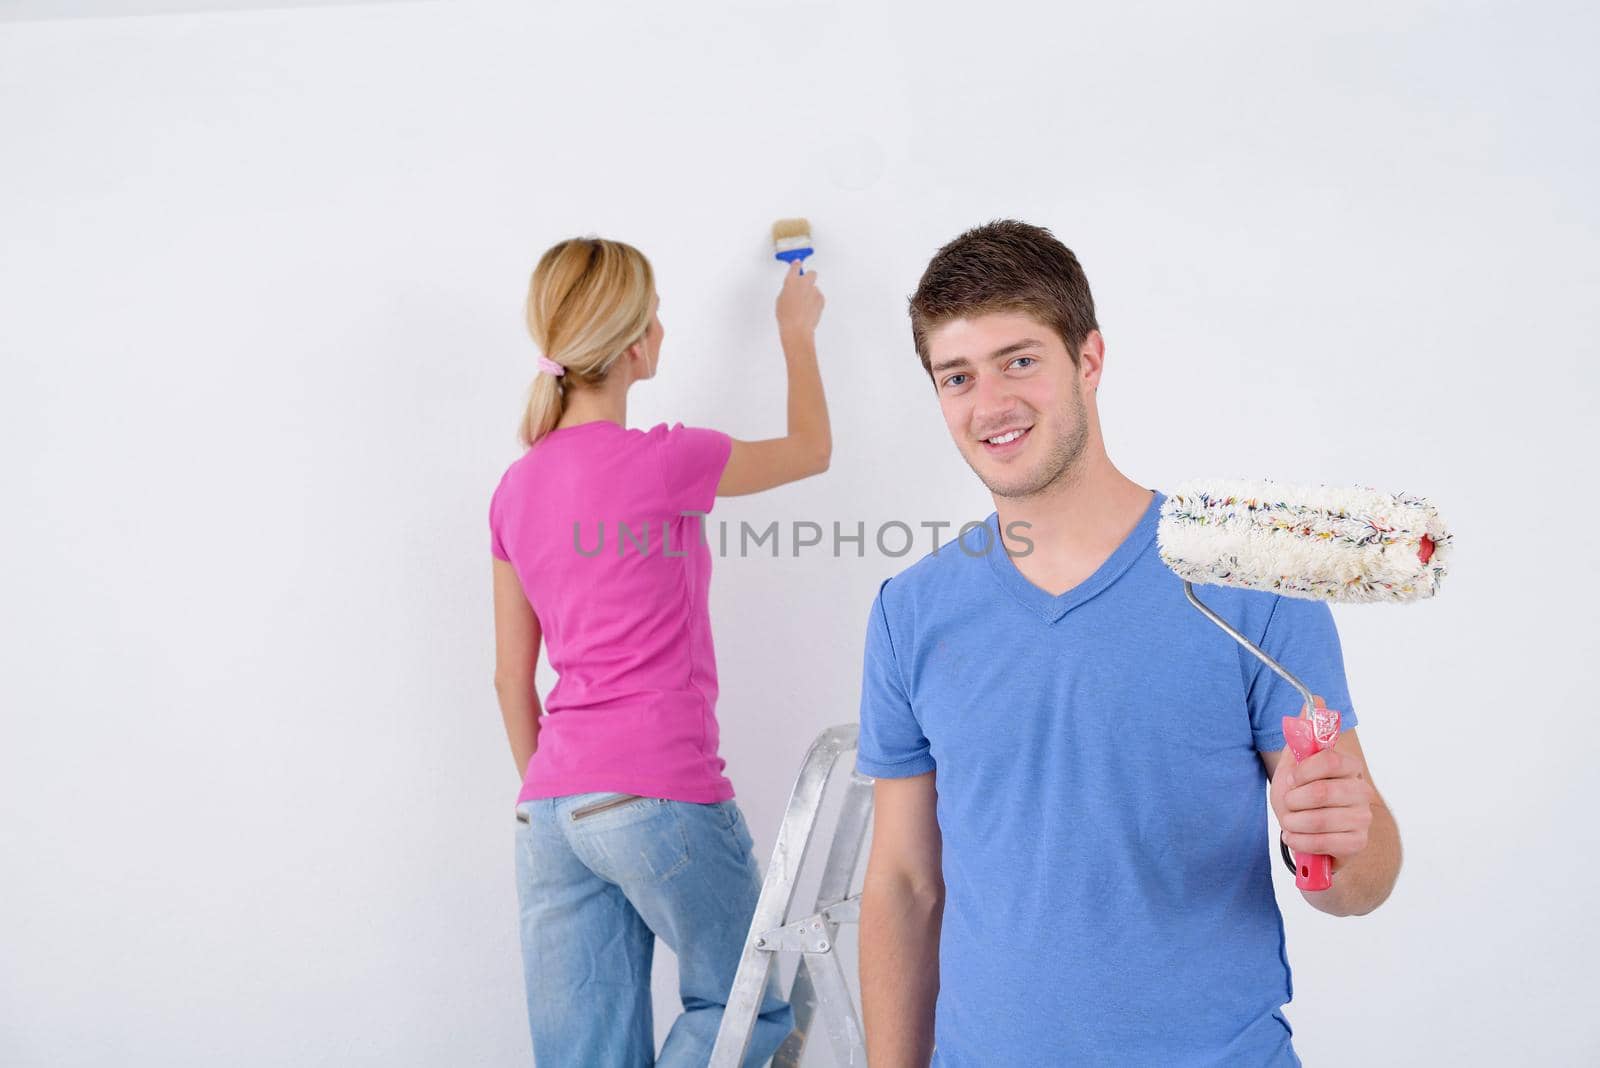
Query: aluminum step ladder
x=820, y=988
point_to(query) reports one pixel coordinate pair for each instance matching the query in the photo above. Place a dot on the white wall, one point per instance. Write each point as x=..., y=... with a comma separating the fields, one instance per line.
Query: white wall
x=262, y=360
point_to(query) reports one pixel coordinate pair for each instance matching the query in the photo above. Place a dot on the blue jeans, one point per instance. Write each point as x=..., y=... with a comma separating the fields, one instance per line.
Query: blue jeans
x=595, y=894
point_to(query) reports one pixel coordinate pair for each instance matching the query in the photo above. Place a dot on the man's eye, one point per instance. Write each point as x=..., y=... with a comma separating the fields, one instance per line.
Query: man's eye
x=1019, y=361
x=955, y=380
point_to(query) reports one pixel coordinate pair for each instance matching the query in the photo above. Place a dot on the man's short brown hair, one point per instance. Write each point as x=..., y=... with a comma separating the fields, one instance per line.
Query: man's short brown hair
x=1004, y=266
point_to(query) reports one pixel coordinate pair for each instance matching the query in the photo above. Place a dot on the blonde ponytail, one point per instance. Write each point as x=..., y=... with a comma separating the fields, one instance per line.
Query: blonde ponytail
x=545, y=403
x=588, y=300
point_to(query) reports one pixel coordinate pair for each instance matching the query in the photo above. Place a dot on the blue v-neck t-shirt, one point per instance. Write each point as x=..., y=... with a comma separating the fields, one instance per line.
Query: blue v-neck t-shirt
x=1101, y=802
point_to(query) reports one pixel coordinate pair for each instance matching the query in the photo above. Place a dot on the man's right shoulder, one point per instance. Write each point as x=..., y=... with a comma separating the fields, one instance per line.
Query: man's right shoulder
x=935, y=578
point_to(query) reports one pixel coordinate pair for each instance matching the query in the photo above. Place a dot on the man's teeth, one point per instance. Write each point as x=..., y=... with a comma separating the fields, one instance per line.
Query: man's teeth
x=1003, y=438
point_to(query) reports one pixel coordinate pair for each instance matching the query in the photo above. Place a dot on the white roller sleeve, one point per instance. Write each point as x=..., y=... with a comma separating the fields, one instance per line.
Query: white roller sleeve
x=1322, y=543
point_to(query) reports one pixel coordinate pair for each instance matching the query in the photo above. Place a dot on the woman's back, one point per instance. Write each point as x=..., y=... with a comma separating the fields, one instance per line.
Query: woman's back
x=597, y=521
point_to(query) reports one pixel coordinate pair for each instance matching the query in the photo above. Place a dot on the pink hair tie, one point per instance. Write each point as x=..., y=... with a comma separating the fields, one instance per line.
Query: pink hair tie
x=550, y=367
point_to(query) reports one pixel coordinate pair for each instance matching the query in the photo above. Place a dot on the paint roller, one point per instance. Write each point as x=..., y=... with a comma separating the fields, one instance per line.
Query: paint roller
x=1321, y=543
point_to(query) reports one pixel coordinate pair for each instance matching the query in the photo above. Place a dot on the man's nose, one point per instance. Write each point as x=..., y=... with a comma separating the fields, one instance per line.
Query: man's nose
x=992, y=399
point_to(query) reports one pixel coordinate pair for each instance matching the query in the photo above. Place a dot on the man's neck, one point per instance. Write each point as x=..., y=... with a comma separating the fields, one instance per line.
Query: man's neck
x=1074, y=524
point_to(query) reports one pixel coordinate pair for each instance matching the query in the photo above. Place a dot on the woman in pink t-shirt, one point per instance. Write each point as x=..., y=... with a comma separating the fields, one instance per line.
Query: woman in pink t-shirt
x=627, y=830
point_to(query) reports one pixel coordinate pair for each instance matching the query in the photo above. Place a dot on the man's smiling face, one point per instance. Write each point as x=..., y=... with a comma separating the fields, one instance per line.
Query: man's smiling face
x=1010, y=394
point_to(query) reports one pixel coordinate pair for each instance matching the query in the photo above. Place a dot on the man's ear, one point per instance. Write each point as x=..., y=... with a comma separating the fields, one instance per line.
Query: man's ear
x=1091, y=359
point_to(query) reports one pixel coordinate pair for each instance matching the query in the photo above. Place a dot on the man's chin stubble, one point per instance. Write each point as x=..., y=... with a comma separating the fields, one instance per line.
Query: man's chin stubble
x=1026, y=488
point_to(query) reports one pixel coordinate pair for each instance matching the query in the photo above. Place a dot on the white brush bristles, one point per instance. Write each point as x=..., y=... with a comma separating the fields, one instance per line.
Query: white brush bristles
x=1321, y=543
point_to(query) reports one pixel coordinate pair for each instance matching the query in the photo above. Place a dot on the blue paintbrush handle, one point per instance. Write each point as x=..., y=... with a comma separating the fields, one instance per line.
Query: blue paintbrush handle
x=790, y=255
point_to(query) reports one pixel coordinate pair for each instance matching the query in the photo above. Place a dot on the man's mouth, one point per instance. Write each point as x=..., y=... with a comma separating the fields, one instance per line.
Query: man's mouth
x=1006, y=441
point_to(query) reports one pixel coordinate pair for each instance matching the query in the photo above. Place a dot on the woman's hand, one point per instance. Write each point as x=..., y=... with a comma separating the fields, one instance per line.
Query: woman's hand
x=799, y=303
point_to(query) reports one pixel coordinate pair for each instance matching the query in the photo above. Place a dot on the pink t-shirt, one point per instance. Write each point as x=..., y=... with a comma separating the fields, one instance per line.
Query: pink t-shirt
x=592, y=518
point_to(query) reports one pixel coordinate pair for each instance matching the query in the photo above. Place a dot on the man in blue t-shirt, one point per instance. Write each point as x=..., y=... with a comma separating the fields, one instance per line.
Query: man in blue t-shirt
x=1070, y=860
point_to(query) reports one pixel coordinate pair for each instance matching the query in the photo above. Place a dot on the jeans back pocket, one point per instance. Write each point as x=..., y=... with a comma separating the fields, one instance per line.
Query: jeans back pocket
x=634, y=840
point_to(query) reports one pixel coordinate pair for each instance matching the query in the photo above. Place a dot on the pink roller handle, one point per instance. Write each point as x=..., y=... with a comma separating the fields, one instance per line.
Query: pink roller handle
x=1312, y=871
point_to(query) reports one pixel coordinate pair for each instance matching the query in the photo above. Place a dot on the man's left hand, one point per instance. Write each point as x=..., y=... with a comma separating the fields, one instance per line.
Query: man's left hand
x=1323, y=804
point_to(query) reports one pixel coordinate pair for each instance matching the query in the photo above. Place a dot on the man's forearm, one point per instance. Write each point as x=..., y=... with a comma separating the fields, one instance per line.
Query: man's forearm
x=519, y=708
x=899, y=973
x=1364, y=881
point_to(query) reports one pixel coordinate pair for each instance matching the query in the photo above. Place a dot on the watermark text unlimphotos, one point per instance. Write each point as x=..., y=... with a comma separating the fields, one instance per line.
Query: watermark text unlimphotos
x=894, y=538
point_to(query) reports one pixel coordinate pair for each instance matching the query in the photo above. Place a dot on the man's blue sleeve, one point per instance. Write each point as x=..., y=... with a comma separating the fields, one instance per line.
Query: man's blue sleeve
x=1301, y=636
x=891, y=744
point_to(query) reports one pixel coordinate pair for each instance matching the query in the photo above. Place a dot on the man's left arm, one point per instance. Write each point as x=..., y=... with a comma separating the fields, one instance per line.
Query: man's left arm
x=1328, y=804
